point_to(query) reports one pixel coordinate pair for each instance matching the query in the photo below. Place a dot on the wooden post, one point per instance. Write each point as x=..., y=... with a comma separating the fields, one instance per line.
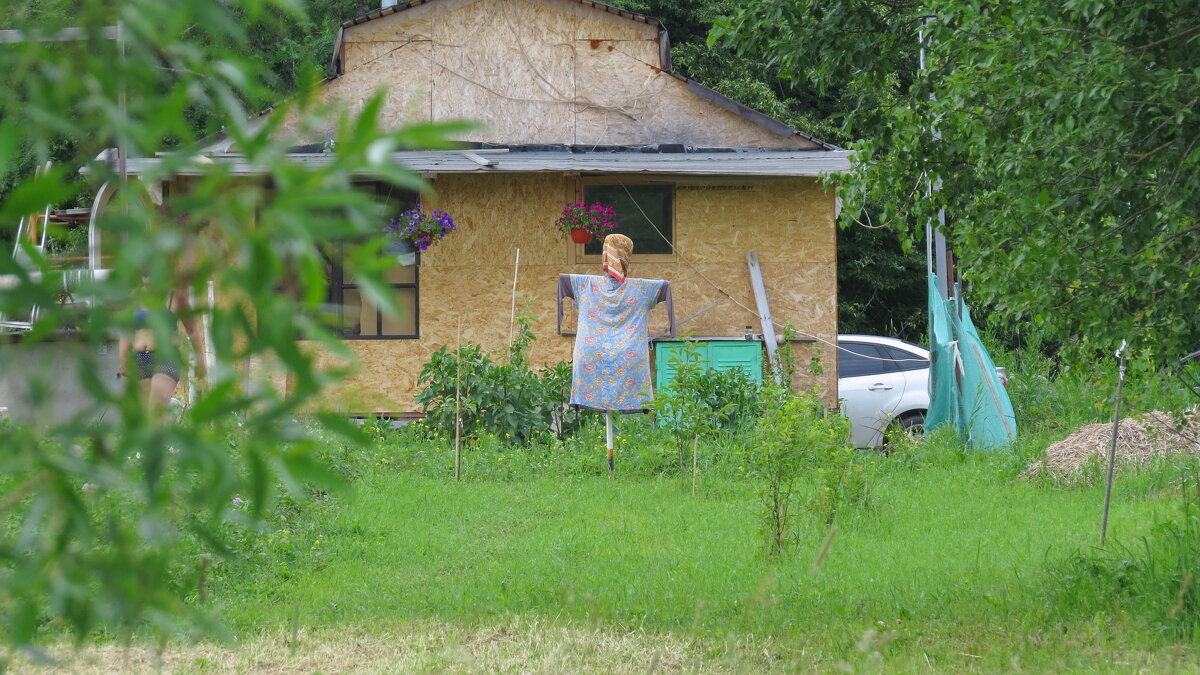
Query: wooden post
x=695, y=468
x=512, y=317
x=764, y=312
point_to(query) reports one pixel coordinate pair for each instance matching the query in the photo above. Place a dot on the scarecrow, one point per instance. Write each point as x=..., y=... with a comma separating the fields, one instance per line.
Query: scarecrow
x=611, y=361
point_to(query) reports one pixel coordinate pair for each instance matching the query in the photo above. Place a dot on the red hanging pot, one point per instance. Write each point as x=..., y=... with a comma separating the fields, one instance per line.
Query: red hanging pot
x=580, y=235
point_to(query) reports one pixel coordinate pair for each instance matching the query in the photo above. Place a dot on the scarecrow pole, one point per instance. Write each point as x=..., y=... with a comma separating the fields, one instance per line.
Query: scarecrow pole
x=608, y=437
x=1112, y=446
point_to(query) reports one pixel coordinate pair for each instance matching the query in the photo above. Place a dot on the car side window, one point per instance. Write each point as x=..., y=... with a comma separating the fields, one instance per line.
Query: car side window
x=906, y=360
x=856, y=359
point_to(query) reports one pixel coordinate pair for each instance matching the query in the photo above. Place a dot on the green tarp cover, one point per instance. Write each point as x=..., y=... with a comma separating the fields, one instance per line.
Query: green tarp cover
x=964, y=388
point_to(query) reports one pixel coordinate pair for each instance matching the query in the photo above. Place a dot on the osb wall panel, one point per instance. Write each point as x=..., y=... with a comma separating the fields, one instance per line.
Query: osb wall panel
x=407, y=99
x=503, y=62
x=661, y=108
x=593, y=24
x=477, y=300
x=480, y=297
x=797, y=292
x=414, y=23
x=494, y=215
x=783, y=220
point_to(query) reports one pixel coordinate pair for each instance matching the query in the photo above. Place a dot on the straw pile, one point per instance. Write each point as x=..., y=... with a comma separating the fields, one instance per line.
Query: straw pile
x=1139, y=439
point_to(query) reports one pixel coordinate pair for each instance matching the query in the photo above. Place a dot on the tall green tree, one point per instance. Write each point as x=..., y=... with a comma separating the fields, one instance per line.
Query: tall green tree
x=1062, y=135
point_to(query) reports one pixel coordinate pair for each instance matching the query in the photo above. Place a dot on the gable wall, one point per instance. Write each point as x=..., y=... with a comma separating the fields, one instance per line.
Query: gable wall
x=533, y=71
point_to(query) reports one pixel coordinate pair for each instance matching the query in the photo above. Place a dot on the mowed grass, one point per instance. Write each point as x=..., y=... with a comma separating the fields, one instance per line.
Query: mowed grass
x=947, y=565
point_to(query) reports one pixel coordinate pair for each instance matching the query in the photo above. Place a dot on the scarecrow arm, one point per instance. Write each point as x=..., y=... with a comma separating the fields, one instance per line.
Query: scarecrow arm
x=664, y=295
x=564, y=291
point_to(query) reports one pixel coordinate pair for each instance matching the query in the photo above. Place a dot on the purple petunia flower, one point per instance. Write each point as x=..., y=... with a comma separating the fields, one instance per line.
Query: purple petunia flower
x=419, y=228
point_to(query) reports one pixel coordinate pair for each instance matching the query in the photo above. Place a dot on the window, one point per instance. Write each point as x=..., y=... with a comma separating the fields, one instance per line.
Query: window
x=645, y=213
x=356, y=316
x=906, y=360
x=857, y=359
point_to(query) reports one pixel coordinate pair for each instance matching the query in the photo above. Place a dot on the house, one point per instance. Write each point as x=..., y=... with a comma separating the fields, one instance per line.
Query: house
x=577, y=102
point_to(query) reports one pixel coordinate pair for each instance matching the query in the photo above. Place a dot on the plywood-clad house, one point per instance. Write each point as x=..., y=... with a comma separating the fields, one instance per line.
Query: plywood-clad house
x=576, y=101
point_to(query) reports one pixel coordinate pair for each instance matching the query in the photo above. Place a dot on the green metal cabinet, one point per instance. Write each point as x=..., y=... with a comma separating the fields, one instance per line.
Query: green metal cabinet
x=720, y=355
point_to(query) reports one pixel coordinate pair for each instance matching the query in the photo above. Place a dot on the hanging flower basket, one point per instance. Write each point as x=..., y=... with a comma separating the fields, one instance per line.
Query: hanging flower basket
x=414, y=230
x=584, y=222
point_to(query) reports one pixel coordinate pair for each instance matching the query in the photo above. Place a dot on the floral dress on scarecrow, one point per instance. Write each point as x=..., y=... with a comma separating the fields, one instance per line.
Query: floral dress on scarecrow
x=611, y=362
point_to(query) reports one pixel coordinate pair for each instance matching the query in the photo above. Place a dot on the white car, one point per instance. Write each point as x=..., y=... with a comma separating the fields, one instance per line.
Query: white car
x=882, y=383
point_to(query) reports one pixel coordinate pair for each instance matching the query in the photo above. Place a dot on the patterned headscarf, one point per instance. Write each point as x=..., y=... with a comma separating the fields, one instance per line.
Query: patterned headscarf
x=617, y=250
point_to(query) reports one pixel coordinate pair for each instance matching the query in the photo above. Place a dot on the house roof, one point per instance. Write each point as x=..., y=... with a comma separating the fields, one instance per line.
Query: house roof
x=646, y=160
x=401, y=6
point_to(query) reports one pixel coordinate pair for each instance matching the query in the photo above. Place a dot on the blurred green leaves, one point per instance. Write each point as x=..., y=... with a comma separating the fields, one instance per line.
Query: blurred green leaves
x=111, y=509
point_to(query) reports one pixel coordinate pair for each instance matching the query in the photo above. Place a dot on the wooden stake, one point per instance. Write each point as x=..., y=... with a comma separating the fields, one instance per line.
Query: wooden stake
x=457, y=405
x=695, y=466
x=512, y=317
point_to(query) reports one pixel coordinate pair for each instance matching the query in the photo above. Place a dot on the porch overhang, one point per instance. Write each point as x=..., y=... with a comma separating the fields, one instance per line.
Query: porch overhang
x=650, y=160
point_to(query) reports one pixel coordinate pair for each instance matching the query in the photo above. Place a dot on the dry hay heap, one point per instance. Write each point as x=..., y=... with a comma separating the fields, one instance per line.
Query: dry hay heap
x=1139, y=439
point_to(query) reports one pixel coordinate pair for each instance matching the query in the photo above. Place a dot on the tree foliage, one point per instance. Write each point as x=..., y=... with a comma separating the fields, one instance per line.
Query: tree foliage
x=1062, y=136
x=107, y=516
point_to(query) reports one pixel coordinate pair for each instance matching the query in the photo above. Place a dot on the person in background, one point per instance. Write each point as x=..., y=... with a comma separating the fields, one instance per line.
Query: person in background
x=159, y=370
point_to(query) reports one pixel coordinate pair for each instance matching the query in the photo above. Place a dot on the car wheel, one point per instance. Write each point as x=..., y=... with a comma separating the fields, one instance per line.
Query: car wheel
x=910, y=425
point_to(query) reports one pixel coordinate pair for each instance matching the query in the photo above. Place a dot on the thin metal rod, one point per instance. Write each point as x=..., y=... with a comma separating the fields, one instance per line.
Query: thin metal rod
x=1112, y=446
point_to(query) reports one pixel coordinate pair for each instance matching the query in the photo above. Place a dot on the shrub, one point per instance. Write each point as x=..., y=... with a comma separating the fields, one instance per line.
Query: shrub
x=507, y=400
x=797, y=438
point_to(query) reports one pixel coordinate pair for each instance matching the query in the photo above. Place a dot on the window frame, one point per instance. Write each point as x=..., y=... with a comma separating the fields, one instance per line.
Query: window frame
x=338, y=285
x=583, y=257
x=336, y=293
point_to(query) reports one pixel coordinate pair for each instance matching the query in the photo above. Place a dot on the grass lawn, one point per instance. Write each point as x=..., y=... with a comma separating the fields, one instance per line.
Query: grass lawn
x=949, y=565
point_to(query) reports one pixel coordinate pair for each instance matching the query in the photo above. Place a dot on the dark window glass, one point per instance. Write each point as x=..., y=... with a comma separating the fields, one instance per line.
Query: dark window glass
x=644, y=213
x=356, y=316
x=856, y=359
x=905, y=360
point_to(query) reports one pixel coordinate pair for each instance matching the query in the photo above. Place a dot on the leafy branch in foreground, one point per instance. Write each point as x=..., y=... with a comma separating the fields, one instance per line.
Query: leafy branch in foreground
x=107, y=504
